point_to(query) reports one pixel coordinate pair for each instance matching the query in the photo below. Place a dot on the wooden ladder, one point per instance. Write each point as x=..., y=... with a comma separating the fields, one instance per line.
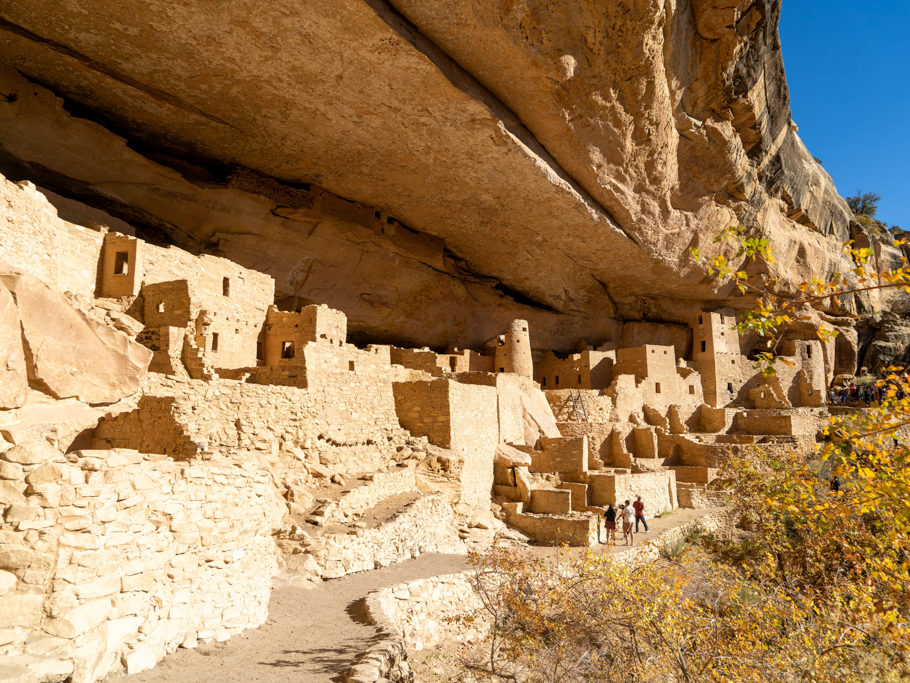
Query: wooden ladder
x=579, y=410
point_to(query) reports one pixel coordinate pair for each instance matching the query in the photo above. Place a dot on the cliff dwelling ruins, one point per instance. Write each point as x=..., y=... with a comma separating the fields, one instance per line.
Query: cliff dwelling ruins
x=342, y=316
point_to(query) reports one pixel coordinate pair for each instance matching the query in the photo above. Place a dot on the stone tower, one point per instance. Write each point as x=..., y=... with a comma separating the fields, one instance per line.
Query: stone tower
x=514, y=354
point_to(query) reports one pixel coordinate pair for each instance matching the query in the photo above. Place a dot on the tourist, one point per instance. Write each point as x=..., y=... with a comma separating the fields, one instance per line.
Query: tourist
x=628, y=515
x=610, y=524
x=639, y=514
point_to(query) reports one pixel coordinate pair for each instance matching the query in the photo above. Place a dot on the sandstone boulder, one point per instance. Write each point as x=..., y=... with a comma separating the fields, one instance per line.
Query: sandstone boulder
x=538, y=417
x=58, y=421
x=13, y=376
x=511, y=456
x=35, y=452
x=69, y=355
x=523, y=482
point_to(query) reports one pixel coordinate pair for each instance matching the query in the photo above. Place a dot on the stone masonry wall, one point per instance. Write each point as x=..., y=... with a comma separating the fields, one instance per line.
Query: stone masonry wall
x=475, y=434
x=420, y=612
x=425, y=526
x=423, y=409
x=116, y=558
x=350, y=410
x=63, y=255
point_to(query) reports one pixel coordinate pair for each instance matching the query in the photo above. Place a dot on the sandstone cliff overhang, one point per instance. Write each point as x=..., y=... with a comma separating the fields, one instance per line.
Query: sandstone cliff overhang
x=562, y=156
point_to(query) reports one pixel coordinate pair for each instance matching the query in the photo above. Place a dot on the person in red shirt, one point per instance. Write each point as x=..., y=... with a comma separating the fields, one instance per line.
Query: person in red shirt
x=639, y=514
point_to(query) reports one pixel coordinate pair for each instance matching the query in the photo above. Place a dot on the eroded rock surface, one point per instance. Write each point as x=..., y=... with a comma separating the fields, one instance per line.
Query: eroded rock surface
x=67, y=354
x=13, y=376
x=426, y=166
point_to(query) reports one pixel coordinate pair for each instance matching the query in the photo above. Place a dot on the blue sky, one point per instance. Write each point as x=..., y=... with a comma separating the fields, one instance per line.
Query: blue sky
x=848, y=68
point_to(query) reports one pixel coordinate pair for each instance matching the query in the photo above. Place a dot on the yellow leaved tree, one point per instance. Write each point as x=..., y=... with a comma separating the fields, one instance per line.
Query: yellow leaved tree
x=811, y=581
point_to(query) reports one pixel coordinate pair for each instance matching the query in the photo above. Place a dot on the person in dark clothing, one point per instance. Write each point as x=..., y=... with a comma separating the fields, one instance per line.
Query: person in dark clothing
x=639, y=514
x=610, y=523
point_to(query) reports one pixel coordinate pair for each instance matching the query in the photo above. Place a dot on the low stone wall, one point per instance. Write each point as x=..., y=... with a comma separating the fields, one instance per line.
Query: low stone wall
x=414, y=616
x=358, y=500
x=354, y=429
x=551, y=501
x=576, y=531
x=561, y=455
x=422, y=613
x=427, y=525
x=657, y=489
x=115, y=558
x=699, y=497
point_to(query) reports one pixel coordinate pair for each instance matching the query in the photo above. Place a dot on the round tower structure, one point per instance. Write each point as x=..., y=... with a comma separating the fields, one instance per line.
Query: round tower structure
x=518, y=349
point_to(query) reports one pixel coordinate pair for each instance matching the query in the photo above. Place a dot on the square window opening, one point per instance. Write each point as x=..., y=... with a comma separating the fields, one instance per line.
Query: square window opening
x=703, y=346
x=121, y=263
x=160, y=307
x=351, y=365
x=729, y=387
x=226, y=286
x=556, y=381
x=691, y=389
x=287, y=349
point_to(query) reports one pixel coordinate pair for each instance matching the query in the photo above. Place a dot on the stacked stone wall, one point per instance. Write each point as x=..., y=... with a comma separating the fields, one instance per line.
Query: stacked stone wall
x=422, y=613
x=426, y=526
x=657, y=489
x=113, y=558
x=342, y=410
x=63, y=255
x=423, y=409
x=597, y=407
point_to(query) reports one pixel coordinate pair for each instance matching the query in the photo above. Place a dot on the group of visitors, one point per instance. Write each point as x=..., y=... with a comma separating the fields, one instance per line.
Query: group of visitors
x=867, y=393
x=625, y=513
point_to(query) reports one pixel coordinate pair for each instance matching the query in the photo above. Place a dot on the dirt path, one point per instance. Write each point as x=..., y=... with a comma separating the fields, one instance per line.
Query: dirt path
x=311, y=635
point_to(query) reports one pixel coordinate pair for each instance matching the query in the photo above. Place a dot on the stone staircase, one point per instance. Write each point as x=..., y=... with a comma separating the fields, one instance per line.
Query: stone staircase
x=197, y=366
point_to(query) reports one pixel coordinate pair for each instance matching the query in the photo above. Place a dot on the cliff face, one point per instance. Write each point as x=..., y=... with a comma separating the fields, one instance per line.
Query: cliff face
x=432, y=169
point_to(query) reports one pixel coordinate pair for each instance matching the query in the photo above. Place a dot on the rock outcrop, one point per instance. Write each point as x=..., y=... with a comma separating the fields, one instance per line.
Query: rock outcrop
x=67, y=354
x=13, y=377
x=536, y=161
